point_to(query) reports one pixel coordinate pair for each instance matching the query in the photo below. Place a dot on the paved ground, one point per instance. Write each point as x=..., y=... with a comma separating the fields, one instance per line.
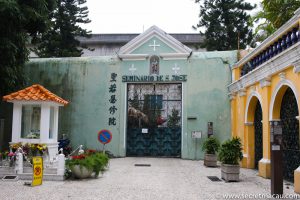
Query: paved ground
x=165, y=179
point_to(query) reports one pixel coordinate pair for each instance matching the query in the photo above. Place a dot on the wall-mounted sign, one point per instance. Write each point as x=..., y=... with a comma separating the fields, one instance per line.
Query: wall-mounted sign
x=196, y=134
x=144, y=130
x=158, y=78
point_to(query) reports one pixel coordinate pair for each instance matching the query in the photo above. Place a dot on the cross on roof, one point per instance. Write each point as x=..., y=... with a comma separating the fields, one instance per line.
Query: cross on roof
x=154, y=45
x=176, y=69
x=132, y=69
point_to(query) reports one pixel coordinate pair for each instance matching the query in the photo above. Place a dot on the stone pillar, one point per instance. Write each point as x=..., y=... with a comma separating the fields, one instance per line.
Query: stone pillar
x=241, y=119
x=45, y=123
x=297, y=175
x=16, y=126
x=264, y=165
x=232, y=97
x=249, y=130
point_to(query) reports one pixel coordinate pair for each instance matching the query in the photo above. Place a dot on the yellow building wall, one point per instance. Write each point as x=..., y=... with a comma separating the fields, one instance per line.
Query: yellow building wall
x=242, y=124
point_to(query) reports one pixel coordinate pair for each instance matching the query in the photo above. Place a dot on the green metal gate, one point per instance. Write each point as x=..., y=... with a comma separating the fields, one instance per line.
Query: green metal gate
x=154, y=120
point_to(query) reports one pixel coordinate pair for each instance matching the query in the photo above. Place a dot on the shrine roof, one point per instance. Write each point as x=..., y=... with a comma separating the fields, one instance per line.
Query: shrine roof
x=34, y=93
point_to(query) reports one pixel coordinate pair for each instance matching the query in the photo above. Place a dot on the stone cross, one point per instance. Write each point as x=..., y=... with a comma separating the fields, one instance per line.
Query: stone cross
x=176, y=69
x=132, y=69
x=154, y=45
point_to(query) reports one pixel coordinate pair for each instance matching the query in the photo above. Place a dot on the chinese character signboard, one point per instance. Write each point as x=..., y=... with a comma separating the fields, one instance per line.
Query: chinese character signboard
x=37, y=177
x=112, y=100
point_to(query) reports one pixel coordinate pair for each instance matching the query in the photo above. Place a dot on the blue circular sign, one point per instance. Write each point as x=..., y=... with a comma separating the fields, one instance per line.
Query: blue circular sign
x=104, y=136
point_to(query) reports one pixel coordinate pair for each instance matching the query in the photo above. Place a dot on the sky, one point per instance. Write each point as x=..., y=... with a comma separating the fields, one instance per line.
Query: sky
x=135, y=16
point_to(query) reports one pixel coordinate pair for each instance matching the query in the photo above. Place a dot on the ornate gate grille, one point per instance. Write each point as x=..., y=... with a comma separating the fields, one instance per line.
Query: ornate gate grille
x=154, y=120
x=290, y=134
x=258, y=134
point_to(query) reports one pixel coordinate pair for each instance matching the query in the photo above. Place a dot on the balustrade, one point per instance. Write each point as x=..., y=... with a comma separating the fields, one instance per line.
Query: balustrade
x=278, y=46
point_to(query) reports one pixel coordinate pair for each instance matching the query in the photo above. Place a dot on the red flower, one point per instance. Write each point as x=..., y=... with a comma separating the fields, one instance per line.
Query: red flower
x=90, y=151
x=79, y=157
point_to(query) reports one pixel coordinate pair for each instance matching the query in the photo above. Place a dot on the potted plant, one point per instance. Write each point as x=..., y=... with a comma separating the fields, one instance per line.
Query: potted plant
x=230, y=154
x=211, y=146
x=82, y=166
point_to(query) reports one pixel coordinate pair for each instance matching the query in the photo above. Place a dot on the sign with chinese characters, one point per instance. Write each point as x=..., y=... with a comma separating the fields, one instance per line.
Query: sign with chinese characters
x=37, y=177
x=112, y=100
x=157, y=78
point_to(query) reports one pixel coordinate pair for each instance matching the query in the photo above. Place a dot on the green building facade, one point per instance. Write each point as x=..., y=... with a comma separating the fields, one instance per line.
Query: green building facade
x=154, y=95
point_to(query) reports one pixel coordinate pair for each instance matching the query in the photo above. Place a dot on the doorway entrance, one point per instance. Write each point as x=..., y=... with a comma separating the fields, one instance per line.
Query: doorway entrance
x=154, y=120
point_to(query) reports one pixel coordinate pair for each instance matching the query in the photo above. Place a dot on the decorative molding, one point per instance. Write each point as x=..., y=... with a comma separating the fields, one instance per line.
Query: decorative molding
x=174, y=56
x=242, y=92
x=282, y=75
x=296, y=67
x=150, y=33
x=278, y=63
x=245, y=155
x=252, y=88
x=265, y=160
x=298, y=117
x=252, y=94
x=266, y=82
x=281, y=83
x=275, y=120
x=249, y=123
x=298, y=170
x=232, y=96
x=133, y=56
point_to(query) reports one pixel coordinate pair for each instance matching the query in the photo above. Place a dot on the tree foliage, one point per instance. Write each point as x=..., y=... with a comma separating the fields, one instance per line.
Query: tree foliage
x=273, y=15
x=19, y=21
x=60, y=40
x=226, y=24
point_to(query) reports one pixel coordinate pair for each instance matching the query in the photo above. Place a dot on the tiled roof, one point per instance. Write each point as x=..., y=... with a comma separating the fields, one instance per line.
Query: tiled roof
x=34, y=93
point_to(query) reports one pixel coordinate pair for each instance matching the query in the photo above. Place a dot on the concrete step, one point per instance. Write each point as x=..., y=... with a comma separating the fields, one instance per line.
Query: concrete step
x=7, y=170
x=46, y=177
x=46, y=170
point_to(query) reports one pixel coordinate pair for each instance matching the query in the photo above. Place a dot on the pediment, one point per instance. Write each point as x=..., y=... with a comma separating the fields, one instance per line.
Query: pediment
x=154, y=41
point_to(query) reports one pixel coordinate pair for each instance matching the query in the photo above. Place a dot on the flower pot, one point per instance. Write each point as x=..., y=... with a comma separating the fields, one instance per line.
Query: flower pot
x=230, y=172
x=210, y=160
x=81, y=172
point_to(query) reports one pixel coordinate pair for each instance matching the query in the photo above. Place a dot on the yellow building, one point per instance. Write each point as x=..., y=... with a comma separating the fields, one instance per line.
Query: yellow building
x=265, y=88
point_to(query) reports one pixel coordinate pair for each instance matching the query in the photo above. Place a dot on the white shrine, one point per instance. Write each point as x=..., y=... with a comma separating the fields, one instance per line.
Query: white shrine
x=35, y=117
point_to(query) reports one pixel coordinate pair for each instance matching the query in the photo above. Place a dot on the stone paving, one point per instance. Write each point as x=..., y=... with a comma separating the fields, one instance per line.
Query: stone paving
x=165, y=179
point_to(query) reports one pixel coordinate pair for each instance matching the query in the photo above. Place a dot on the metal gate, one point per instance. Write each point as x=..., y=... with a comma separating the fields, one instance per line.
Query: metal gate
x=258, y=134
x=290, y=134
x=154, y=120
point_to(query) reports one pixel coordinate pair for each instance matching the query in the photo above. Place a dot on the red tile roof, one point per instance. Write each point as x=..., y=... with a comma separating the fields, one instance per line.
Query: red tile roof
x=34, y=93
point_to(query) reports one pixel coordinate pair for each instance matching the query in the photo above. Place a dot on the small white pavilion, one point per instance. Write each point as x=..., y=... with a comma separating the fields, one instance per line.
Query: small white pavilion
x=35, y=117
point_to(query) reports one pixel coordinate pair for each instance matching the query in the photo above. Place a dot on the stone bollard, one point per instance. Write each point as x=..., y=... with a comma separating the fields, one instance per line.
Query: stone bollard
x=19, y=163
x=61, y=164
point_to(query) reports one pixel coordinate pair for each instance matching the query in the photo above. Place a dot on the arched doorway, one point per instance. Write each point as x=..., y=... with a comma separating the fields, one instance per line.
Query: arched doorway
x=258, y=132
x=290, y=134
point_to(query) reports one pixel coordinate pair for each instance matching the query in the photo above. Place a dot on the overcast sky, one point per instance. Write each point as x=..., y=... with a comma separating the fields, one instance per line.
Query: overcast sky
x=134, y=16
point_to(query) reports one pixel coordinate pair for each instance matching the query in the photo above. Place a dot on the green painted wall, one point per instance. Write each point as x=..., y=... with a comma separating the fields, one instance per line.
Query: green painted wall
x=85, y=83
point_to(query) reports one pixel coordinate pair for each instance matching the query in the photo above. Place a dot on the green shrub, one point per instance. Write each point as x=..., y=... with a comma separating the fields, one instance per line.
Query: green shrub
x=92, y=160
x=211, y=145
x=231, y=151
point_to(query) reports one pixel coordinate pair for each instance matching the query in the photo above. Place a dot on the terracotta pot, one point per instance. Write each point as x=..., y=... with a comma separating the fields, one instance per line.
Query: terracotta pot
x=210, y=160
x=81, y=172
x=230, y=172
